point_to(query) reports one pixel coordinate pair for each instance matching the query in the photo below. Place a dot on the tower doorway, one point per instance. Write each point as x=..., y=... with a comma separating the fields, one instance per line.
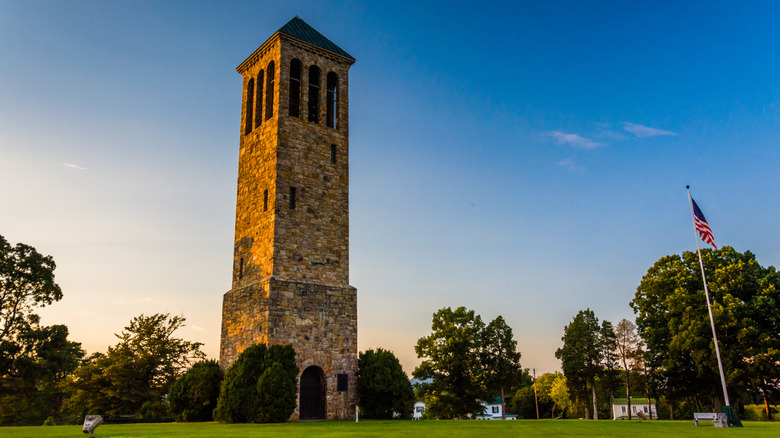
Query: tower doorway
x=313, y=389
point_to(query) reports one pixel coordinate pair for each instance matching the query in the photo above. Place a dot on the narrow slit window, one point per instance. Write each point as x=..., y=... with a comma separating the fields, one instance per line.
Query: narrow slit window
x=332, y=112
x=314, y=94
x=259, y=99
x=265, y=200
x=292, y=198
x=295, y=88
x=241, y=268
x=250, y=94
x=333, y=154
x=269, y=91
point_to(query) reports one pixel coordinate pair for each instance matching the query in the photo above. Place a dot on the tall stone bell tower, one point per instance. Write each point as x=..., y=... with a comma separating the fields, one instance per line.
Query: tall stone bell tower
x=291, y=254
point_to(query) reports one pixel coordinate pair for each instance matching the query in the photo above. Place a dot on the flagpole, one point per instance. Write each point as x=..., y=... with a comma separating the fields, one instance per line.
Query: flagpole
x=709, y=308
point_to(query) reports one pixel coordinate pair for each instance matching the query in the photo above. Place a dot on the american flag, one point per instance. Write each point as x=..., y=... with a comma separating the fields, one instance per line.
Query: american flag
x=702, y=226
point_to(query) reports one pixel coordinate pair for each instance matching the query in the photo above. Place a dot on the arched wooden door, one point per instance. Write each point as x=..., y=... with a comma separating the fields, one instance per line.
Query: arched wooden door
x=313, y=388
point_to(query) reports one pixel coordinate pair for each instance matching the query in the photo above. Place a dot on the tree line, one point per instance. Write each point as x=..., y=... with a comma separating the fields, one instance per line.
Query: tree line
x=666, y=354
x=150, y=373
x=669, y=354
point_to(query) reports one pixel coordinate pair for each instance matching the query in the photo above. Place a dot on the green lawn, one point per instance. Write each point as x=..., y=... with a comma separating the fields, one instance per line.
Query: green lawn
x=426, y=429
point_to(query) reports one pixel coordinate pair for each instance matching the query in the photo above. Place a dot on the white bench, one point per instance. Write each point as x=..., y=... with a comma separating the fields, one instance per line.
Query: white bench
x=719, y=419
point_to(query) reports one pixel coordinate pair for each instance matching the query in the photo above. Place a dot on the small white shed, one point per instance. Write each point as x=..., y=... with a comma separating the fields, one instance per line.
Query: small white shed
x=643, y=405
x=419, y=410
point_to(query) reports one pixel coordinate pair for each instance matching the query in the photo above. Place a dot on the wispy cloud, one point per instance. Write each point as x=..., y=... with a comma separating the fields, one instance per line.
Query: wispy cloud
x=74, y=166
x=606, y=131
x=570, y=165
x=198, y=328
x=644, y=131
x=574, y=140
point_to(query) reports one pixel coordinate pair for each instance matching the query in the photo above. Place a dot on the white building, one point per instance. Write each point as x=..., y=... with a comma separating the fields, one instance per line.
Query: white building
x=492, y=411
x=419, y=409
x=643, y=405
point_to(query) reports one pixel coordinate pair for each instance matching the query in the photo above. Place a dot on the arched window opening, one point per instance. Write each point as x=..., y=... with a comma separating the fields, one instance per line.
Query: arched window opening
x=269, y=91
x=250, y=94
x=313, y=390
x=295, y=88
x=332, y=100
x=314, y=94
x=259, y=100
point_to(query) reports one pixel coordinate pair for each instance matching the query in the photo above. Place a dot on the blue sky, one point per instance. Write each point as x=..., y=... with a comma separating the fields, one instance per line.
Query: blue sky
x=527, y=159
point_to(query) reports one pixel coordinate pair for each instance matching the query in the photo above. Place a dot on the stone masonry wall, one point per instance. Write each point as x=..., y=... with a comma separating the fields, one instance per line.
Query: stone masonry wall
x=254, y=235
x=312, y=241
x=244, y=321
x=321, y=324
x=291, y=265
x=319, y=321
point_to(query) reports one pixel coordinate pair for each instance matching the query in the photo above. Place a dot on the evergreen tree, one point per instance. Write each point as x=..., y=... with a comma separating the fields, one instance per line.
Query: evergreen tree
x=500, y=359
x=609, y=361
x=242, y=397
x=238, y=400
x=277, y=394
x=581, y=356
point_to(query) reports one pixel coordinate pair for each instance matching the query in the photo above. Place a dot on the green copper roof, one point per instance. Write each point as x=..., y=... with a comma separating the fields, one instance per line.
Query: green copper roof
x=299, y=29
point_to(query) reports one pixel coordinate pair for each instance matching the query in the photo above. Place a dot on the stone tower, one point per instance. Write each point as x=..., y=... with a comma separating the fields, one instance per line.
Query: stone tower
x=291, y=254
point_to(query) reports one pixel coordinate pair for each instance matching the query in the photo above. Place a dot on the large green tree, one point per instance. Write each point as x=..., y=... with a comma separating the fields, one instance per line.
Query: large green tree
x=138, y=370
x=382, y=385
x=526, y=398
x=465, y=363
x=609, y=359
x=500, y=359
x=35, y=387
x=581, y=356
x=673, y=321
x=561, y=396
x=26, y=282
x=451, y=364
x=35, y=360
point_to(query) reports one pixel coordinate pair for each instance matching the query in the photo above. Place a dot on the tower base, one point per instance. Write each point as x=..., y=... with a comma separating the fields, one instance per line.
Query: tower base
x=318, y=320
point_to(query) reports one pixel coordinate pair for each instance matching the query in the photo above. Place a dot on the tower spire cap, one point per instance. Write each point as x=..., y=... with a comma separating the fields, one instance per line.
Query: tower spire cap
x=298, y=28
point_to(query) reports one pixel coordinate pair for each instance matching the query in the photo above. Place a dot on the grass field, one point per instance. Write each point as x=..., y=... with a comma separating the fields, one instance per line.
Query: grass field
x=426, y=429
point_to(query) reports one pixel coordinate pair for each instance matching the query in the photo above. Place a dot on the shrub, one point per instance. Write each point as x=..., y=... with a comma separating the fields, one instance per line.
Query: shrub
x=193, y=396
x=239, y=400
x=153, y=410
x=277, y=394
x=758, y=412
